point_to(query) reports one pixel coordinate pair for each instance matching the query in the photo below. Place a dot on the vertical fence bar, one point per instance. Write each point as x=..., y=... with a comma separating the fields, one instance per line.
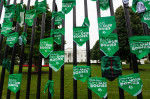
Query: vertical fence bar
x=30, y=59
x=1, y=8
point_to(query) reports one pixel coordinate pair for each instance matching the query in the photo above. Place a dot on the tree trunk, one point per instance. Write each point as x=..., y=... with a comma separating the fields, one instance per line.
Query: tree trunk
x=130, y=62
x=35, y=66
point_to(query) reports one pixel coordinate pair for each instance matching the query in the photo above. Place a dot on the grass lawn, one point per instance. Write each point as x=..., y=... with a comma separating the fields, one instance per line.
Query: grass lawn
x=113, y=92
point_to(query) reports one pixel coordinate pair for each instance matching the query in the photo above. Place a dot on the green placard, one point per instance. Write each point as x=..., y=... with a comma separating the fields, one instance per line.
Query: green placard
x=29, y=17
x=23, y=38
x=146, y=18
x=6, y=28
x=104, y=4
x=46, y=46
x=56, y=60
x=20, y=13
x=67, y=5
x=58, y=31
x=106, y=25
x=14, y=82
x=57, y=38
x=98, y=86
x=12, y=39
x=6, y=64
x=81, y=72
x=59, y=16
x=140, y=45
x=40, y=7
x=50, y=85
x=109, y=45
x=86, y=22
x=131, y=83
x=80, y=35
x=111, y=67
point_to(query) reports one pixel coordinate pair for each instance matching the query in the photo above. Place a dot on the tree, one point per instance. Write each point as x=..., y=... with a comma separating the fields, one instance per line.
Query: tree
x=95, y=51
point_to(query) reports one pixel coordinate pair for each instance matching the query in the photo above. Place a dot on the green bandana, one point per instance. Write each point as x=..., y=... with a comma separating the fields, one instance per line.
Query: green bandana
x=12, y=39
x=131, y=83
x=58, y=17
x=86, y=22
x=109, y=45
x=146, y=18
x=23, y=39
x=111, y=67
x=104, y=4
x=80, y=35
x=57, y=38
x=14, y=82
x=9, y=12
x=6, y=28
x=106, y=25
x=50, y=86
x=46, y=46
x=20, y=13
x=67, y=5
x=139, y=45
x=30, y=15
x=6, y=64
x=81, y=72
x=98, y=86
x=56, y=60
x=40, y=7
x=58, y=31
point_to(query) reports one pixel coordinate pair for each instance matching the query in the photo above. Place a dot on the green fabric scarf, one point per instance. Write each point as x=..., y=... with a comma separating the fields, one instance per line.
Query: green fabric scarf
x=50, y=86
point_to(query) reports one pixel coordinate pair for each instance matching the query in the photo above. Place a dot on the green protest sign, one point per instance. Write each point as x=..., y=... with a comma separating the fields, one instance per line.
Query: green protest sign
x=57, y=38
x=50, y=85
x=30, y=15
x=23, y=38
x=6, y=28
x=109, y=45
x=46, y=46
x=131, y=83
x=146, y=18
x=104, y=4
x=20, y=13
x=86, y=22
x=139, y=45
x=67, y=5
x=40, y=7
x=98, y=86
x=58, y=31
x=106, y=25
x=14, y=82
x=80, y=35
x=59, y=16
x=81, y=72
x=6, y=64
x=9, y=12
x=56, y=60
x=111, y=67
x=12, y=39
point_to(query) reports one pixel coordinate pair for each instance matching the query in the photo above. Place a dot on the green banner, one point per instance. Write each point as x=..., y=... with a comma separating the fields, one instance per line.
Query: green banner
x=6, y=64
x=50, y=85
x=56, y=60
x=6, y=28
x=40, y=7
x=23, y=38
x=67, y=5
x=86, y=22
x=14, y=82
x=131, y=83
x=29, y=17
x=111, y=67
x=9, y=12
x=57, y=38
x=98, y=86
x=140, y=45
x=20, y=13
x=58, y=31
x=12, y=39
x=146, y=18
x=59, y=16
x=109, y=45
x=81, y=73
x=106, y=25
x=46, y=46
x=80, y=35
x=104, y=4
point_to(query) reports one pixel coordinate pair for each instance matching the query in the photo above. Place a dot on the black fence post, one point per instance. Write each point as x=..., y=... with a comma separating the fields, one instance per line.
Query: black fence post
x=1, y=8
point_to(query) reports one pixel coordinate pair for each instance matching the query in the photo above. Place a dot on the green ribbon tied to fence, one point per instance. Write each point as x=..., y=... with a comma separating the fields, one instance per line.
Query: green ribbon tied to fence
x=104, y=4
x=6, y=64
x=109, y=45
x=131, y=83
x=23, y=38
x=50, y=85
x=81, y=73
x=6, y=28
x=67, y=5
x=14, y=82
x=111, y=67
x=40, y=7
x=12, y=39
x=106, y=25
x=20, y=13
x=146, y=18
x=30, y=15
x=56, y=60
x=59, y=16
x=98, y=86
x=140, y=45
x=46, y=46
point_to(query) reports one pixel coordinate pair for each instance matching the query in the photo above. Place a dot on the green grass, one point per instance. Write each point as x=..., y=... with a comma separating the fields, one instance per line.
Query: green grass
x=113, y=92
